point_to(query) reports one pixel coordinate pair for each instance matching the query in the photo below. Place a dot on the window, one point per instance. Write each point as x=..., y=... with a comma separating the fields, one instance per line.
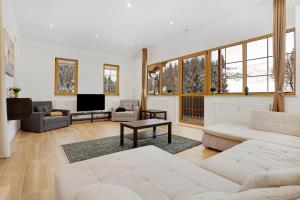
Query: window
x=226, y=66
x=153, y=80
x=193, y=75
x=111, y=79
x=227, y=69
x=260, y=72
x=170, y=77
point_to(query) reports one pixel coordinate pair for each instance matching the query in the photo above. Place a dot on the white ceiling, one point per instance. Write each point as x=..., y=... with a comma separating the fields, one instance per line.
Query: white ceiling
x=144, y=24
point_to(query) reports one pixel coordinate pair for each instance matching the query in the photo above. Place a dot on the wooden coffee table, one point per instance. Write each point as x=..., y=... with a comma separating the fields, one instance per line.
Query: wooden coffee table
x=142, y=124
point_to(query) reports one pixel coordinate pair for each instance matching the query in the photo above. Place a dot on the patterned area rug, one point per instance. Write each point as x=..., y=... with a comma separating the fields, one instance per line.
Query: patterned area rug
x=90, y=149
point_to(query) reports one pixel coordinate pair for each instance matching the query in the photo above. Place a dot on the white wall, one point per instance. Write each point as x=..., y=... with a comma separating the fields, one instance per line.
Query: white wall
x=38, y=69
x=255, y=22
x=11, y=26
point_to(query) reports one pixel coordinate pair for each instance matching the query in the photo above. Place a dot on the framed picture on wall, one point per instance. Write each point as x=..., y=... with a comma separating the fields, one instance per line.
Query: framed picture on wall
x=66, y=76
x=9, y=55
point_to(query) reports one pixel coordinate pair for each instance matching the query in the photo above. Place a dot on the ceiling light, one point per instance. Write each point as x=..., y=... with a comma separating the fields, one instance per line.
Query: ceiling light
x=171, y=22
x=128, y=5
x=51, y=25
x=130, y=44
x=97, y=35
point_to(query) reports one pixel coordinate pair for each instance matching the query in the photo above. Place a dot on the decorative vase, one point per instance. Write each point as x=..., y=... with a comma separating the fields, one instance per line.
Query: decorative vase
x=16, y=94
x=212, y=93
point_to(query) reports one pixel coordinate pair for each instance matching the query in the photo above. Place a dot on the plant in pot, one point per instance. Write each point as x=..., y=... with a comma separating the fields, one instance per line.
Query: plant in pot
x=15, y=91
x=213, y=91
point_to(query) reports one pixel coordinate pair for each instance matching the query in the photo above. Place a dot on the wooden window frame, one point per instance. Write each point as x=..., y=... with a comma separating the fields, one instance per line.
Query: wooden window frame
x=117, y=93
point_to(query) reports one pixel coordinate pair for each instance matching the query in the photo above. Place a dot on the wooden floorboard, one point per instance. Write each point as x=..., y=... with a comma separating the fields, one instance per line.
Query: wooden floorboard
x=29, y=173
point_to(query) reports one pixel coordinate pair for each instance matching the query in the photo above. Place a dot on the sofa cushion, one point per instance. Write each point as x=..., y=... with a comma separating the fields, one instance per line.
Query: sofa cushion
x=128, y=106
x=241, y=133
x=275, y=193
x=106, y=192
x=55, y=119
x=43, y=109
x=56, y=113
x=273, y=178
x=249, y=158
x=276, y=122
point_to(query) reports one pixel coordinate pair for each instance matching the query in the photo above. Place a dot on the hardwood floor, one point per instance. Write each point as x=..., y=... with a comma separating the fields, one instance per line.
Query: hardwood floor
x=29, y=173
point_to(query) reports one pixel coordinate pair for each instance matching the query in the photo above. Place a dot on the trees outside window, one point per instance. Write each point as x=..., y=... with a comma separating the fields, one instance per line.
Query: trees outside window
x=193, y=75
x=153, y=80
x=170, y=77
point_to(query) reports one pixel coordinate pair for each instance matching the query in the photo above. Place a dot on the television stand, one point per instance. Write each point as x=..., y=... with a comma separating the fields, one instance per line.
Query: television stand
x=91, y=117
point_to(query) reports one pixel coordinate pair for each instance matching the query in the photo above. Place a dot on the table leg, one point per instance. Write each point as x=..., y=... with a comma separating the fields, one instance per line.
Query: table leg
x=154, y=131
x=71, y=120
x=169, y=132
x=121, y=134
x=92, y=117
x=135, y=138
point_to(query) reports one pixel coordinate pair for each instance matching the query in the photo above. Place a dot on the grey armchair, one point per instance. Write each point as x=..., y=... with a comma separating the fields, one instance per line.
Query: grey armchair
x=39, y=122
x=128, y=115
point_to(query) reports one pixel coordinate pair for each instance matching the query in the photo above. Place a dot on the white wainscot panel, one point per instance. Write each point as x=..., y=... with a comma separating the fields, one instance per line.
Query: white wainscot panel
x=236, y=112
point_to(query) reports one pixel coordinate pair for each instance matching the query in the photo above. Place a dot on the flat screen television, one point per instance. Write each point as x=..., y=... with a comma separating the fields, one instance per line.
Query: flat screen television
x=90, y=102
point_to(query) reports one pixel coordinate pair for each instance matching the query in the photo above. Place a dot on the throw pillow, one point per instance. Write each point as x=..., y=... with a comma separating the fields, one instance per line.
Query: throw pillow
x=43, y=109
x=273, y=178
x=128, y=106
x=120, y=109
x=101, y=191
x=56, y=113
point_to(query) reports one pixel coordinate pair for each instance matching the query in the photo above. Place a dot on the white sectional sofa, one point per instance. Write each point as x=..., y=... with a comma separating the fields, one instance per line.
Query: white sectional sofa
x=273, y=127
x=150, y=173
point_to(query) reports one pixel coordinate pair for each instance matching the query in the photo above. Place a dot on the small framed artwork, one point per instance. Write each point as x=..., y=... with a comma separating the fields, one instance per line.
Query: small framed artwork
x=9, y=55
x=66, y=76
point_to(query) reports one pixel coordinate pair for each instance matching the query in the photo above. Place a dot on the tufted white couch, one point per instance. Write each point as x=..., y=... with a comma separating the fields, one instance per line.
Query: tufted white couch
x=150, y=173
x=273, y=127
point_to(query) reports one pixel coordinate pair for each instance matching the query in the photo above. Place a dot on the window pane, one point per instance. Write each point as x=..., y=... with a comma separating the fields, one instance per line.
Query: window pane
x=154, y=82
x=193, y=75
x=271, y=67
x=257, y=49
x=257, y=67
x=288, y=82
x=290, y=63
x=290, y=43
x=271, y=81
x=234, y=85
x=270, y=46
x=234, y=70
x=106, y=72
x=215, y=71
x=257, y=84
x=170, y=77
x=234, y=54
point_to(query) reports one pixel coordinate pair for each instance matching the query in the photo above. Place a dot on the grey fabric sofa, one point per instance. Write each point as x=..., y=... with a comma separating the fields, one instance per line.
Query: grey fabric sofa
x=128, y=115
x=39, y=122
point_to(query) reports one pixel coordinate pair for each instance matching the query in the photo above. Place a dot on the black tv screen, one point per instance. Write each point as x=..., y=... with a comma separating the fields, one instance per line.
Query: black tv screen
x=90, y=102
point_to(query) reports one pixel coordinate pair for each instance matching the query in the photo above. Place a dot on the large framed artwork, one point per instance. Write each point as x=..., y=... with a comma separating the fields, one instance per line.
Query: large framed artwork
x=9, y=55
x=66, y=76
